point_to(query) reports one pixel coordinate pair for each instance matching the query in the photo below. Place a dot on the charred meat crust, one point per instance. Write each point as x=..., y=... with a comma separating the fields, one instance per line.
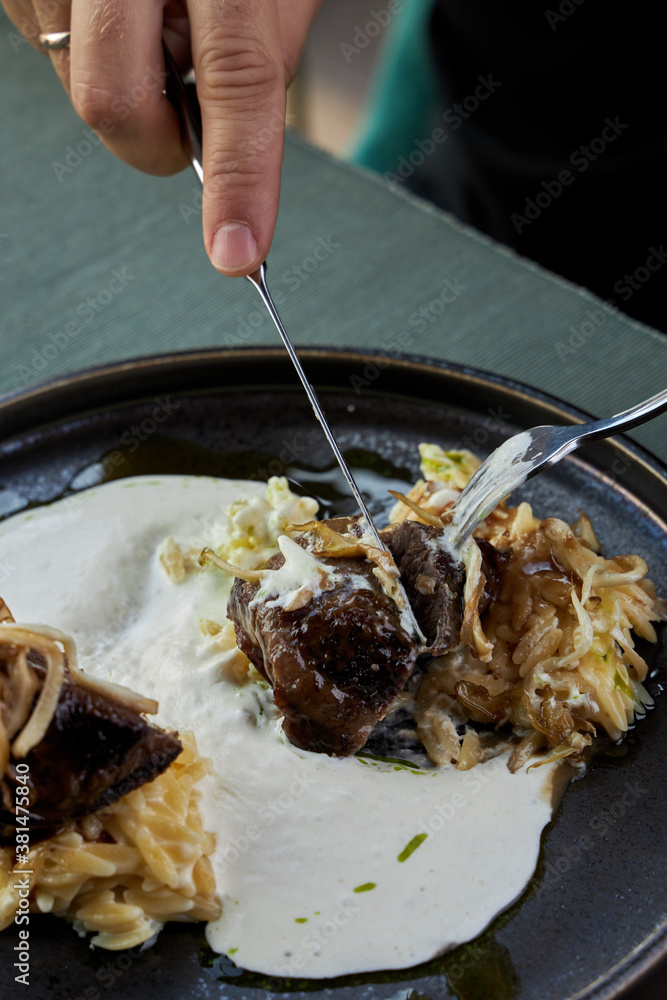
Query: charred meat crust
x=433, y=581
x=336, y=665
x=494, y=562
x=93, y=752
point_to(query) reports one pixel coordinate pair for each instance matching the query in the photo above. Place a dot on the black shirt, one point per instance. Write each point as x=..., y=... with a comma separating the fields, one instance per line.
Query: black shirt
x=556, y=142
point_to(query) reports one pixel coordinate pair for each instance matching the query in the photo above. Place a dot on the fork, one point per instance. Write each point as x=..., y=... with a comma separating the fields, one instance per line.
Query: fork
x=524, y=455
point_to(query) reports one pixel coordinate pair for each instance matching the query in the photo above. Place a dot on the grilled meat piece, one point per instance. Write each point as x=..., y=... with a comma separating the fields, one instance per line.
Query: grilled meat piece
x=494, y=562
x=433, y=581
x=336, y=664
x=94, y=751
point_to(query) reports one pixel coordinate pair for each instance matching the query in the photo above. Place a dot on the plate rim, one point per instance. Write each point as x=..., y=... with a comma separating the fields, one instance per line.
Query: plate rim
x=16, y=401
x=20, y=406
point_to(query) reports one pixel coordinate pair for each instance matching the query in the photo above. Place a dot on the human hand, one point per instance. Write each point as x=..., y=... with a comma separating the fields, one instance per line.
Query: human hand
x=244, y=52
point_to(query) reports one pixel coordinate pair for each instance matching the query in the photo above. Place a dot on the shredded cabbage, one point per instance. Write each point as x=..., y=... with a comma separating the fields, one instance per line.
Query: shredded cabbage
x=246, y=535
x=553, y=656
x=452, y=468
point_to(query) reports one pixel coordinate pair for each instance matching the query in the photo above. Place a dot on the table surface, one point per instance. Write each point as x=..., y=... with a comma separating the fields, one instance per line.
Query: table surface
x=100, y=263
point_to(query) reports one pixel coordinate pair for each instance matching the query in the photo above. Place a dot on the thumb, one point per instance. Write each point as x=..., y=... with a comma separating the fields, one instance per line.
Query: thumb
x=236, y=48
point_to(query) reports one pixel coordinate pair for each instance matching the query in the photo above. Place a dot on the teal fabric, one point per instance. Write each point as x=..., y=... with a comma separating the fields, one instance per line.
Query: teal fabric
x=99, y=263
x=397, y=113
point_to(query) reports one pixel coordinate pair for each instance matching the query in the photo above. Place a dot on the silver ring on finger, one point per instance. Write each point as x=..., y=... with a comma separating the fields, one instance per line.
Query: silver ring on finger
x=53, y=41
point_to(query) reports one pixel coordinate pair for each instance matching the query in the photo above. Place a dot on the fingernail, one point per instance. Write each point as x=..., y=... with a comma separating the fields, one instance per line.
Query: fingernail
x=234, y=247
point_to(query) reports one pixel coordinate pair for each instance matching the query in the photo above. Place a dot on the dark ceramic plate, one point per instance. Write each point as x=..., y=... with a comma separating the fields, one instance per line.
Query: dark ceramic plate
x=592, y=923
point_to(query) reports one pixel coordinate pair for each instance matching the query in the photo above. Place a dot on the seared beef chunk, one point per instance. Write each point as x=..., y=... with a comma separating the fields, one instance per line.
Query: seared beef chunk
x=94, y=751
x=433, y=581
x=494, y=562
x=336, y=664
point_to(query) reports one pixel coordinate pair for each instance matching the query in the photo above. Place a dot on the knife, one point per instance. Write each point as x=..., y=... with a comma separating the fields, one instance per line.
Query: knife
x=183, y=95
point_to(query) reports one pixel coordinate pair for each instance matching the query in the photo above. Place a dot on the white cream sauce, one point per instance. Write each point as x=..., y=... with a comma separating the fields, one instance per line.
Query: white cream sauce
x=301, y=572
x=313, y=860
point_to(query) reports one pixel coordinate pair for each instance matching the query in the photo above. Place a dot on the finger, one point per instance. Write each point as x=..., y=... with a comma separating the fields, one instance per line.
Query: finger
x=296, y=18
x=117, y=78
x=241, y=88
x=55, y=15
x=23, y=16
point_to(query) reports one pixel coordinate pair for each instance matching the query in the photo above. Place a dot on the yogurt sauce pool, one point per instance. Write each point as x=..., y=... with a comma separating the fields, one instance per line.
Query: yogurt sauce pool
x=325, y=866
